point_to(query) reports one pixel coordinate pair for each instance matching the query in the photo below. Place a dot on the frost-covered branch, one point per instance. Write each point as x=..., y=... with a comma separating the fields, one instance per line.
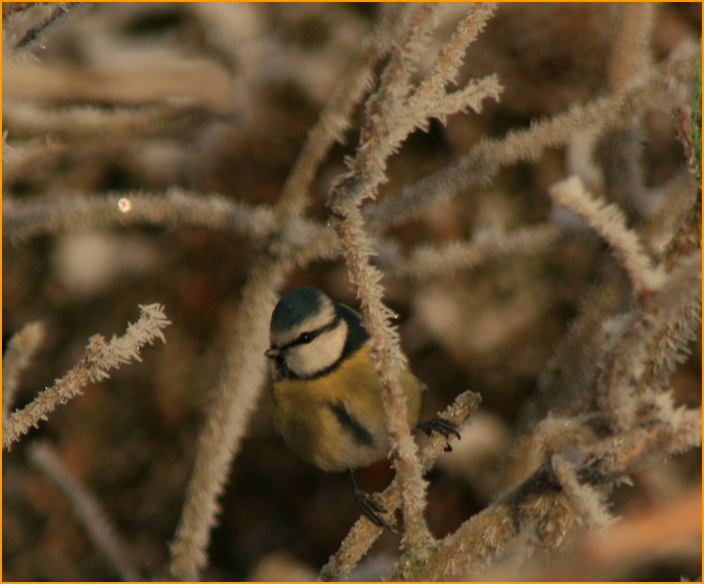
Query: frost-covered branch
x=620, y=385
x=20, y=350
x=243, y=375
x=364, y=533
x=100, y=357
x=610, y=223
x=431, y=261
x=88, y=510
x=25, y=120
x=56, y=214
x=540, y=507
x=392, y=114
x=479, y=167
x=632, y=44
x=335, y=117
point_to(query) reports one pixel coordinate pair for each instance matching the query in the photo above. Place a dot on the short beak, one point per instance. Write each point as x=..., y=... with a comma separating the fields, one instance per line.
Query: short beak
x=271, y=352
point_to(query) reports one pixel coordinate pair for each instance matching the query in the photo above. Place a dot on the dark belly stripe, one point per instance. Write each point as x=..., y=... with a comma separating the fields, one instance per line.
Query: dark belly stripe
x=360, y=434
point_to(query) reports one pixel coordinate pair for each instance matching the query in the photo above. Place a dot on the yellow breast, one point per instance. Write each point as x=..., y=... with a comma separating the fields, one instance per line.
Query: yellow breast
x=310, y=414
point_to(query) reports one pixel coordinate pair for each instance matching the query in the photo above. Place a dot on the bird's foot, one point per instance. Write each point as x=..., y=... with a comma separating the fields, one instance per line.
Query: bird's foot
x=440, y=426
x=372, y=509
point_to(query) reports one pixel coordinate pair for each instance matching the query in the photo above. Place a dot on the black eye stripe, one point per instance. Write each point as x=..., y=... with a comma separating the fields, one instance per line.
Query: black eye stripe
x=308, y=336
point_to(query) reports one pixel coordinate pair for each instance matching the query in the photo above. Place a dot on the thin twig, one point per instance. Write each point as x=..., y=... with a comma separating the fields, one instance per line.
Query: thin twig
x=335, y=117
x=31, y=34
x=88, y=510
x=391, y=114
x=631, y=53
x=235, y=398
x=480, y=166
x=364, y=533
x=243, y=375
x=100, y=357
x=20, y=350
x=610, y=223
x=56, y=214
x=540, y=506
x=429, y=261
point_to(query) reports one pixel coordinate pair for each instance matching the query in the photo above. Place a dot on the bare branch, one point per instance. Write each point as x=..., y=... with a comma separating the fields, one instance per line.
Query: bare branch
x=31, y=34
x=100, y=357
x=364, y=533
x=541, y=508
x=20, y=350
x=610, y=223
x=88, y=510
x=486, y=246
x=23, y=219
x=632, y=44
x=479, y=167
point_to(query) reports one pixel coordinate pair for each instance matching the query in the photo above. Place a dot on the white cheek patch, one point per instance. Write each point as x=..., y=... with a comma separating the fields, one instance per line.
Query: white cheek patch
x=322, y=352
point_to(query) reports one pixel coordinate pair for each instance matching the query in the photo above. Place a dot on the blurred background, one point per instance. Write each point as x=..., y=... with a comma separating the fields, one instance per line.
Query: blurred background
x=245, y=83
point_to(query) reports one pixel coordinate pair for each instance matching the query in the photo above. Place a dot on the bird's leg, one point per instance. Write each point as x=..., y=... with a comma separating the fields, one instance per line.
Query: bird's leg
x=441, y=426
x=369, y=506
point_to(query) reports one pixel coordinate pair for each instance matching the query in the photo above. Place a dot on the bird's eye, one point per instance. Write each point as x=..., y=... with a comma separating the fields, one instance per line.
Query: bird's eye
x=306, y=337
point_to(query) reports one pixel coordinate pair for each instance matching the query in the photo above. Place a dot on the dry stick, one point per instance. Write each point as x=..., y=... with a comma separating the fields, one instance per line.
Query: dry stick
x=235, y=399
x=671, y=342
x=390, y=115
x=539, y=502
x=389, y=362
x=364, y=533
x=620, y=150
x=343, y=202
x=480, y=166
x=394, y=111
x=631, y=53
x=87, y=509
x=621, y=377
x=429, y=261
x=25, y=120
x=33, y=33
x=385, y=353
x=394, y=82
x=335, y=118
x=451, y=57
x=236, y=395
x=176, y=207
x=610, y=223
x=243, y=376
x=99, y=358
x=20, y=350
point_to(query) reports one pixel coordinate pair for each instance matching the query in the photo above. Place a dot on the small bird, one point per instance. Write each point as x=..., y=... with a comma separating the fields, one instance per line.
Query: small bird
x=327, y=394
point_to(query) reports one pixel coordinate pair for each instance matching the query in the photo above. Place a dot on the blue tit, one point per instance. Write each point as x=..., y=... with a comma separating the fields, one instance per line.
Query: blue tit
x=327, y=394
